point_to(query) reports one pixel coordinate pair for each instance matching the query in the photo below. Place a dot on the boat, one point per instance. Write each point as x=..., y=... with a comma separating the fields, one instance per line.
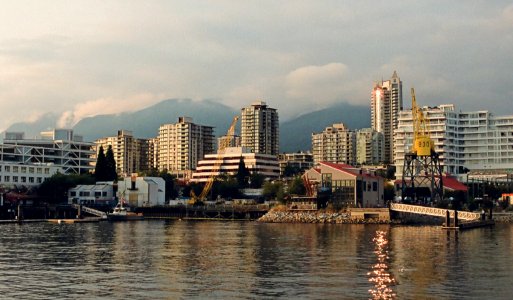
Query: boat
x=122, y=213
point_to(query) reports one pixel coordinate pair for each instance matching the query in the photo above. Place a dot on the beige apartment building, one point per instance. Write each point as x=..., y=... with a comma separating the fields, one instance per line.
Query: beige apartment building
x=260, y=128
x=336, y=144
x=182, y=144
x=130, y=153
x=370, y=146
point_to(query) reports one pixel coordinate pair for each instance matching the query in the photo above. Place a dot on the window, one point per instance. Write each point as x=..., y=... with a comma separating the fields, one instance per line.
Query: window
x=7, y=168
x=23, y=169
x=39, y=180
x=47, y=170
x=15, y=179
x=23, y=179
x=7, y=178
x=364, y=186
x=374, y=186
x=31, y=179
x=97, y=194
x=39, y=171
x=15, y=169
x=31, y=170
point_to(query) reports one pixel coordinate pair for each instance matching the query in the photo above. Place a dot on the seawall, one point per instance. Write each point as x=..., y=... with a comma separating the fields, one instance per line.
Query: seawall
x=318, y=217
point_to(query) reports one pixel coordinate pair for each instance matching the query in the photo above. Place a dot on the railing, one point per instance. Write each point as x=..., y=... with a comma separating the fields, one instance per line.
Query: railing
x=91, y=211
x=432, y=211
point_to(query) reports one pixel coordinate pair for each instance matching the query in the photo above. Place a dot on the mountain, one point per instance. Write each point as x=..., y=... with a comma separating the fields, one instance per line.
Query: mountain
x=32, y=129
x=145, y=123
x=296, y=134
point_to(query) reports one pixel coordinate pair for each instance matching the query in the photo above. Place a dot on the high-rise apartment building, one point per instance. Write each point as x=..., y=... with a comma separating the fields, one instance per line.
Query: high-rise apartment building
x=181, y=145
x=369, y=147
x=386, y=103
x=476, y=141
x=336, y=144
x=153, y=153
x=130, y=154
x=260, y=128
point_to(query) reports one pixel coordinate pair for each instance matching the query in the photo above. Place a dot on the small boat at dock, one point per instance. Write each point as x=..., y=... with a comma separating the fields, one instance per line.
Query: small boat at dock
x=122, y=213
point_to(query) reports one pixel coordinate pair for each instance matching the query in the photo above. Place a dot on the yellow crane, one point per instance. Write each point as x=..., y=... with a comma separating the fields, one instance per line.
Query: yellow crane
x=422, y=179
x=223, y=144
x=422, y=144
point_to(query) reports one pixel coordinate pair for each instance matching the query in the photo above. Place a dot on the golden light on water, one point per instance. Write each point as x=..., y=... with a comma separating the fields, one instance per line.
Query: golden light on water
x=383, y=281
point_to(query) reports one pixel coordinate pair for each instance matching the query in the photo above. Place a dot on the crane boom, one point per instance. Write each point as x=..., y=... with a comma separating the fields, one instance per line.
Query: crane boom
x=224, y=143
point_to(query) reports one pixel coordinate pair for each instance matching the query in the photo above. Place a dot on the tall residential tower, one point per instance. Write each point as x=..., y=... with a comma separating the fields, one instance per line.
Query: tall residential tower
x=386, y=102
x=260, y=128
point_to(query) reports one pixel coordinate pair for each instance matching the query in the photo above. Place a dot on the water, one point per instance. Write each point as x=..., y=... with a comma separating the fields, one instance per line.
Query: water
x=249, y=260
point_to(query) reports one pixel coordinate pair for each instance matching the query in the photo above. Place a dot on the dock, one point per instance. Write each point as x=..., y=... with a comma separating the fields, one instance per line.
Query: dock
x=470, y=225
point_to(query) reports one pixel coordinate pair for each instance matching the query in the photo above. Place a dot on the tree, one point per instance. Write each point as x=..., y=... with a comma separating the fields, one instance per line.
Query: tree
x=55, y=189
x=242, y=174
x=290, y=171
x=170, y=184
x=256, y=180
x=100, y=170
x=111, y=173
x=274, y=191
x=226, y=188
x=297, y=187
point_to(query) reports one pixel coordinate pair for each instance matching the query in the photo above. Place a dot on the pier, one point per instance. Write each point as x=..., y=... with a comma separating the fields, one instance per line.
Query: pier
x=454, y=219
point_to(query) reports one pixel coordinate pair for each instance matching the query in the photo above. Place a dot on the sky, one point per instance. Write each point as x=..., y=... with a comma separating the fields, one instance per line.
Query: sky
x=82, y=58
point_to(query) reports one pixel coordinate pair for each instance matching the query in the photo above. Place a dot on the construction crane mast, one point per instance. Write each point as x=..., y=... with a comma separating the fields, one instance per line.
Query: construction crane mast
x=223, y=144
x=422, y=173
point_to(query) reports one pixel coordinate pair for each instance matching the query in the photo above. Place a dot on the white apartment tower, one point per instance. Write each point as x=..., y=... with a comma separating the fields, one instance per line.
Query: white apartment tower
x=336, y=144
x=386, y=103
x=260, y=128
x=130, y=154
x=476, y=141
x=369, y=147
x=181, y=145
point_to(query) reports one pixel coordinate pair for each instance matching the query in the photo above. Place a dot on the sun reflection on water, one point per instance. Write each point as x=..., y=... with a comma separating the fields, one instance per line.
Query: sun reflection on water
x=383, y=281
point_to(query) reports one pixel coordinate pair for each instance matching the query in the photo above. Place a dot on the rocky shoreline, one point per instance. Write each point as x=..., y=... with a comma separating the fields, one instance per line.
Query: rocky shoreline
x=322, y=217
x=317, y=217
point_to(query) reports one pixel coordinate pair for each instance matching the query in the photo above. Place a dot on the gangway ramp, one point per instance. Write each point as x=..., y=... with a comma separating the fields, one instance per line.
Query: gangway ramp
x=433, y=211
x=91, y=211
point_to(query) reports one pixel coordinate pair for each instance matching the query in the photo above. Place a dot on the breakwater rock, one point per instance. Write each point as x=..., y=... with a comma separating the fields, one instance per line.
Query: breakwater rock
x=503, y=218
x=316, y=217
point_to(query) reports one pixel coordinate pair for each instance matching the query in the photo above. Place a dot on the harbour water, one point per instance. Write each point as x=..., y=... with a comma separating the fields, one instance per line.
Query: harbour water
x=250, y=260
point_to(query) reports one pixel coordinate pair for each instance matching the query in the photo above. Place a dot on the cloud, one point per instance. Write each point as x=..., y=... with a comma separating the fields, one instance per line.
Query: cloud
x=106, y=106
x=320, y=84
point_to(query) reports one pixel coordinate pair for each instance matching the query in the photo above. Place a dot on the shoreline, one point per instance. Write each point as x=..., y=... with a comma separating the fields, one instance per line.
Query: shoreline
x=318, y=217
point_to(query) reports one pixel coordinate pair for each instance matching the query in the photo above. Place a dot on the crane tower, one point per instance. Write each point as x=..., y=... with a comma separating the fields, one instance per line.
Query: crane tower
x=225, y=143
x=422, y=173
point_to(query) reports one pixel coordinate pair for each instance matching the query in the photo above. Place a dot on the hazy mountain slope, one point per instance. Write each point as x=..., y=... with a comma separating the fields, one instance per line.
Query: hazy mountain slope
x=296, y=134
x=146, y=122
x=33, y=129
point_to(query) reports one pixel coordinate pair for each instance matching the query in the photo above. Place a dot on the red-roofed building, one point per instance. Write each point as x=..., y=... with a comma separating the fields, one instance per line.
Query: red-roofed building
x=450, y=183
x=349, y=186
